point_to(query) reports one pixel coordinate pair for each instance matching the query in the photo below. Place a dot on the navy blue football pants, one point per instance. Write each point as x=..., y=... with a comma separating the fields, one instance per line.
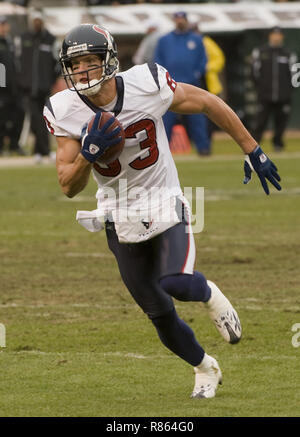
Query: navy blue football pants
x=153, y=273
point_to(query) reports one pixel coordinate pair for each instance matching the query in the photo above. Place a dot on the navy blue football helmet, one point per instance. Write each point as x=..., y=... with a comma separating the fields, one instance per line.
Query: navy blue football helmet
x=83, y=40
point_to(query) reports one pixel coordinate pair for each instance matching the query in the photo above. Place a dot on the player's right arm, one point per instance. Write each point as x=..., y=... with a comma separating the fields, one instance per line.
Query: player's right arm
x=75, y=159
x=73, y=169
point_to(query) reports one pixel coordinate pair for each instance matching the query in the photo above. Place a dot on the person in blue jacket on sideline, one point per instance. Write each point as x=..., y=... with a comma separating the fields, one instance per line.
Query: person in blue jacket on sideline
x=182, y=53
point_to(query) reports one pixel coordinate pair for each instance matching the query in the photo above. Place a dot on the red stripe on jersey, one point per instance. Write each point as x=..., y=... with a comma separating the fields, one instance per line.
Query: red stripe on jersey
x=171, y=82
x=50, y=128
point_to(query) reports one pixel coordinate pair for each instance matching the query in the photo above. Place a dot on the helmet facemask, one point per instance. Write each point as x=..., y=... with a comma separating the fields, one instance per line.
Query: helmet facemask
x=90, y=86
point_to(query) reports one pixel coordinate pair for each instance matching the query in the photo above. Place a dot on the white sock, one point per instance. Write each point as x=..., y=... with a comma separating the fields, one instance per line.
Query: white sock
x=205, y=363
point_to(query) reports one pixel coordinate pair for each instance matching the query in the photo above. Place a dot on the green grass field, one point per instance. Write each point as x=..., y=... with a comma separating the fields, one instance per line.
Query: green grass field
x=77, y=345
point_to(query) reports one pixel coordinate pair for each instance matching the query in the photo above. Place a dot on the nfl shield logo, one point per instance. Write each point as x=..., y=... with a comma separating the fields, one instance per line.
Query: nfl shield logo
x=262, y=158
x=93, y=149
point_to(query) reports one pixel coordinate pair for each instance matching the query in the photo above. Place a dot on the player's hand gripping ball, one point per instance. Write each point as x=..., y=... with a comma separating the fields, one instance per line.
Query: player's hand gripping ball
x=102, y=138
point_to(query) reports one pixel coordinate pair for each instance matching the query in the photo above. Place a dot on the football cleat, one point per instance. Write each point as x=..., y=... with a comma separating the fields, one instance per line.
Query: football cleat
x=207, y=377
x=224, y=315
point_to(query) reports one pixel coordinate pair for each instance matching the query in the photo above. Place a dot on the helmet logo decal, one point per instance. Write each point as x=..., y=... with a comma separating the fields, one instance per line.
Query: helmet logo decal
x=77, y=48
x=100, y=30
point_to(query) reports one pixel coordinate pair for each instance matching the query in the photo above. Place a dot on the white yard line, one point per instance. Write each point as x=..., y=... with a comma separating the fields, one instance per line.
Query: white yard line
x=34, y=233
x=137, y=356
x=71, y=305
x=63, y=354
x=88, y=255
x=181, y=307
x=7, y=162
x=238, y=157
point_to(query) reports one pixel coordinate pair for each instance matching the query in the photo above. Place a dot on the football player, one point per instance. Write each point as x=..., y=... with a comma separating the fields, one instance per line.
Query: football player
x=155, y=259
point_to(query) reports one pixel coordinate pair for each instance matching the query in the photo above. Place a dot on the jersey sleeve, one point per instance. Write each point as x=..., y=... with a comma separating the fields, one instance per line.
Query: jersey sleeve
x=166, y=87
x=166, y=83
x=51, y=123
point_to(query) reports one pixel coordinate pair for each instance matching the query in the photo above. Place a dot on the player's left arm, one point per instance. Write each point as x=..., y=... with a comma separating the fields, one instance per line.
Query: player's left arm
x=189, y=99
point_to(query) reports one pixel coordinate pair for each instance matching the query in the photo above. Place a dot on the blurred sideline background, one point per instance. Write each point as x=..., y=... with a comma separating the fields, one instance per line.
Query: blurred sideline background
x=237, y=27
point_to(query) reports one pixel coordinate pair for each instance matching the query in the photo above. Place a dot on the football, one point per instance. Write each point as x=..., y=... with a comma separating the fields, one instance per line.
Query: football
x=113, y=152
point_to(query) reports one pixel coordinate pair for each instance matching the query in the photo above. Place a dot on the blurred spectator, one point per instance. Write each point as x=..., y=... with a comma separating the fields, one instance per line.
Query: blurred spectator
x=271, y=65
x=110, y=2
x=146, y=48
x=38, y=72
x=131, y=2
x=214, y=66
x=10, y=113
x=182, y=53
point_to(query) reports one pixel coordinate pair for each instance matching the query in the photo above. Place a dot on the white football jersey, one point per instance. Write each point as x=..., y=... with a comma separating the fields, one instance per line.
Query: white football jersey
x=145, y=93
